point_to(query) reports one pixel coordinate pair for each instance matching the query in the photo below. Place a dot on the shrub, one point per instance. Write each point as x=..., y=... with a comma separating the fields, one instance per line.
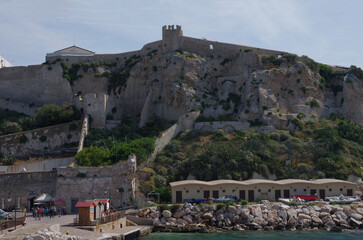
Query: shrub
x=141, y=147
x=54, y=114
x=304, y=89
x=8, y=160
x=81, y=175
x=72, y=126
x=297, y=123
x=163, y=207
x=219, y=135
x=244, y=202
x=160, y=181
x=225, y=61
x=314, y=103
x=358, y=72
x=271, y=61
x=93, y=156
x=11, y=127
x=312, y=64
x=326, y=72
x=174, y=208
x=164, y=193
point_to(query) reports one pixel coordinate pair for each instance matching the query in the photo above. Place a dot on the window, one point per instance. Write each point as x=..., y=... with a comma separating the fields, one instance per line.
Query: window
x=259, y=190
x=329, y=189
x=304, y=189
x=224, y=190
x=294, y=189
x=187, y=191
x=234, y=190
x=269, y=190
x=341, y=189
x=198, y=191
x=211, y=47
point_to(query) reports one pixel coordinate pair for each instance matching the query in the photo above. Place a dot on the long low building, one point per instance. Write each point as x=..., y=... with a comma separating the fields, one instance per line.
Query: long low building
x=258, y=189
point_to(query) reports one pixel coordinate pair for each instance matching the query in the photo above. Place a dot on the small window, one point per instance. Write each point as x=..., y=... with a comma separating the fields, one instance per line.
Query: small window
x=329, y=189
x=234, y=190
x=187, y=191
x=211, y=47
x=341, y=189
x=269, y=190
x=294, y=189
x=223, y=190
x=304, y=189
x=198, y=191
x=259, y=190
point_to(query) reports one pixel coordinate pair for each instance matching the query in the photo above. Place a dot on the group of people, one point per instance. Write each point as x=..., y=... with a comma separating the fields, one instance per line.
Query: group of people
x=39, y=212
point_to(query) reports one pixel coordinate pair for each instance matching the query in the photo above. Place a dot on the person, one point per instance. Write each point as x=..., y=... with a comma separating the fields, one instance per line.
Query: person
x=40, y=212
x=34, y=212
x=54, y=211
x=50, y=212
x=46, y=211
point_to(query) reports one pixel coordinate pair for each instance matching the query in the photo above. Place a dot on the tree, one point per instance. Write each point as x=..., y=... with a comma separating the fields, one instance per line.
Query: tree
x=93, y=156
x=8, y=160
x=11, y=127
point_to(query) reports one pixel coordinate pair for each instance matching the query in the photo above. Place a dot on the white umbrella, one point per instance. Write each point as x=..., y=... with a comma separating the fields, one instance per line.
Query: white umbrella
x=44, y=197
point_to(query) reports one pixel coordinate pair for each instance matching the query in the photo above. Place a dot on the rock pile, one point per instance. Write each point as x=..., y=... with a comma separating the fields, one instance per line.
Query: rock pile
x=266, y=216
x=47, y=234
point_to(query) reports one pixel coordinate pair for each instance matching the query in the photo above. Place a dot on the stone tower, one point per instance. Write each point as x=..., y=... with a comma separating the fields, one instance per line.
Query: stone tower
x=172, y=37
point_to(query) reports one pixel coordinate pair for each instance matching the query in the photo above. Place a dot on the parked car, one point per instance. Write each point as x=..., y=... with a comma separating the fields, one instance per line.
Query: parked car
x=225, y=199
x=196, y=200
x=4, y=215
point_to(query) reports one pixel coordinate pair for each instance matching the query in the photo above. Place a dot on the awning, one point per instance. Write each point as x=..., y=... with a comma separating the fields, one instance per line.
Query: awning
x=59, y=201
x=44, y=197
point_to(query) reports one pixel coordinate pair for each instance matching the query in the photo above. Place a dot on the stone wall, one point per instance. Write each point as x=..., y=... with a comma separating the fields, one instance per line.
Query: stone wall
x=73, y=184
x=45, y=165
x=83, y=183
x=26, y=108
x=55, y=136
x=35, y=85
x=231, y=126
x=26, y=186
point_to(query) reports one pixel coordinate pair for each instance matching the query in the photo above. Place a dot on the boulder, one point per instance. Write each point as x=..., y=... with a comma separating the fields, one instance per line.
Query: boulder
x=220, y=217
x=326, y=219
x=179, y=214
x=231, y=209
x=245, y=213
x=187, y=205
x=188, y=218
x=304, y=216
x=157, y=222
x=163, y=220
x=166, y=214
x=323, y=214
x=282, y=214
x=355, y=223
x=292, y=213
x=172, y=220
x=316, y=219
x=356, y=216
x=236, y=219
x=155, y=214
x=305, y=211
x=208, y=215
x=340, y=214
x=291, y=223
x=181, y=221
x=359, y=210
x=238, y=227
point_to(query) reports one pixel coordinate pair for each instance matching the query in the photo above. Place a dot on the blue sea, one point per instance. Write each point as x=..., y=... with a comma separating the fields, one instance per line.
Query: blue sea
x=295, y=235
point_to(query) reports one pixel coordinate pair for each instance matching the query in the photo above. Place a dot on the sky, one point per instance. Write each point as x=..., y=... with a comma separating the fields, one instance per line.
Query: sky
x=329, y=31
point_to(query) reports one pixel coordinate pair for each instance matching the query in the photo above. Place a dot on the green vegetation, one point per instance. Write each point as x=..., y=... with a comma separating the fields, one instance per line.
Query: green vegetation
x=358, y=72
x=8, y=160
x=325, y=148
x=314, y=103
x=117, y=144
x=271, y=61
x=47, y=115
x=225, y=61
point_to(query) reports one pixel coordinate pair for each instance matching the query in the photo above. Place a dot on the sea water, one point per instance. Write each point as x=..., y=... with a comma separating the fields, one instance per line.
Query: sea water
x=295, y=235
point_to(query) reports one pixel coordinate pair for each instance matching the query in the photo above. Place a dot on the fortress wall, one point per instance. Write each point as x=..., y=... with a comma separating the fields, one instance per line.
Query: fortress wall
x=202, y=47
x=96, y=58
x=45, y=165
x=153, y=45
x=26, y=186
x=97, y=180
x=55, y=137
x=35, y=84
x=7, y=103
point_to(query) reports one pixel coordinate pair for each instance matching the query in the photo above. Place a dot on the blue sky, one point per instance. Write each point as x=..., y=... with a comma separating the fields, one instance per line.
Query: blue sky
x=329, y=31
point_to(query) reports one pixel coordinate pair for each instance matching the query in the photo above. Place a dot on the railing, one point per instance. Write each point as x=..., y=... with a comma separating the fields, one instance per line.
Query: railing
x=109, y=218
x=11, y=222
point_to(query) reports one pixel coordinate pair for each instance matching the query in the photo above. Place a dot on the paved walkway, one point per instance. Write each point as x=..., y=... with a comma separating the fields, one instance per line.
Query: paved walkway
x=65, y=224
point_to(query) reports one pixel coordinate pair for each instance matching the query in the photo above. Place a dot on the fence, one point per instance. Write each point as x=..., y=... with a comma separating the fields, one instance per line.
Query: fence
x=109, y=218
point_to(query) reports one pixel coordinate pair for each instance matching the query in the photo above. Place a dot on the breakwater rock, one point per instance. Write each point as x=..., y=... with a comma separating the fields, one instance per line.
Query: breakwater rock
x=264, y=216
x=47, y=234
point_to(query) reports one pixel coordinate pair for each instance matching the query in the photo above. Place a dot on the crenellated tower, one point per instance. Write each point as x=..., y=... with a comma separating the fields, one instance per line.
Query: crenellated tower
x=172, y=37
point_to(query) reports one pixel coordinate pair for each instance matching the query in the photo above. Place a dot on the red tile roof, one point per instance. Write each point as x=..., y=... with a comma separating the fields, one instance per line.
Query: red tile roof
x=84, y=204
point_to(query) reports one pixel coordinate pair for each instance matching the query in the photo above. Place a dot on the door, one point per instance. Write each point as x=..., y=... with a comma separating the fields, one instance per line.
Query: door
x=206, y=194
x=286, y=193
x=277, y=195
x=179, y=196
x=251, y=195
x=312, y=192
x=74, y=202
x=242, y=194
x=349, y=192
x=215, y=194
x=322, y=193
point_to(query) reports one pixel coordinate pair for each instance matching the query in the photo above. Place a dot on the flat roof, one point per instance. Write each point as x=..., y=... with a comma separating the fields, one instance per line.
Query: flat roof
x=258, y=181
